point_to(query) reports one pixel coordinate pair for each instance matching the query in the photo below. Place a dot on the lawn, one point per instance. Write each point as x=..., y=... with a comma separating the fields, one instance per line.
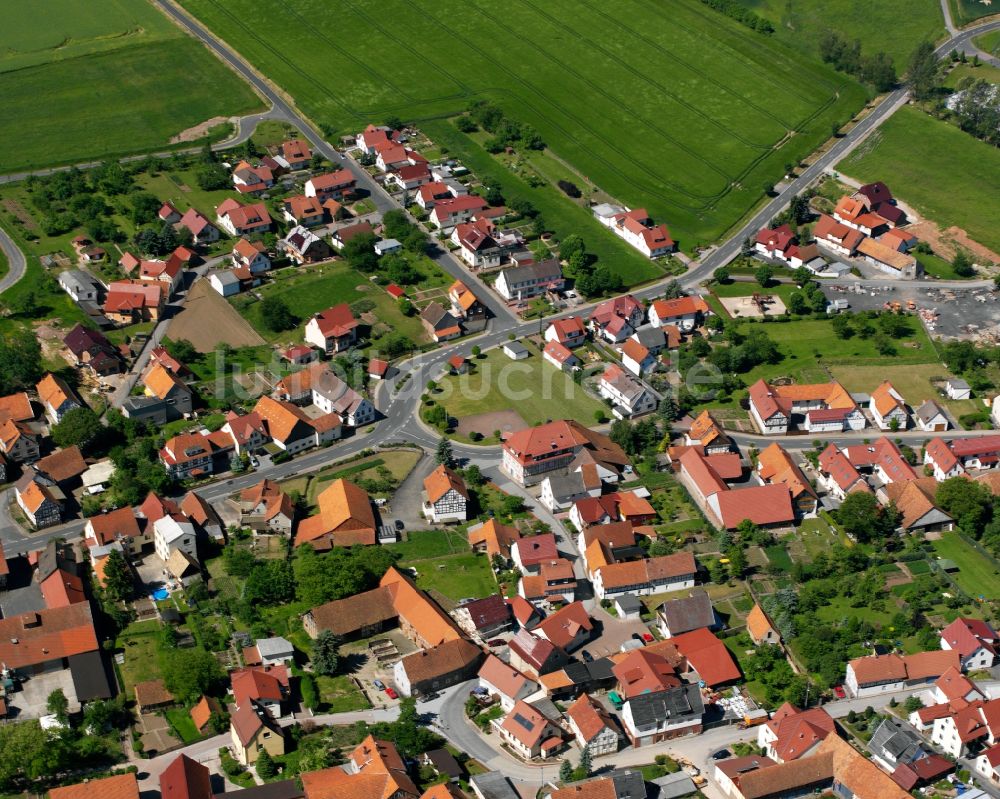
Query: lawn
x=913, y=381
x=104, y=78
x=535, y=388
x=800, y=23
x=809, y=346
x=138, y=643
x=339, y=694
x=988, y=42
x=977, y=575
x=839, y=607
x=456, y=576
x=180, y=719
x=308, y=290
x=986, y=72
x=947, y=175
x=708, y=105
x=779, y=557
x=399, y=463
x=424, y=544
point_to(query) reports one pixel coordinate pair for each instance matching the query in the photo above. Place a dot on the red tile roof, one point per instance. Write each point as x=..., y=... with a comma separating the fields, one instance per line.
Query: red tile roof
x=708, y=656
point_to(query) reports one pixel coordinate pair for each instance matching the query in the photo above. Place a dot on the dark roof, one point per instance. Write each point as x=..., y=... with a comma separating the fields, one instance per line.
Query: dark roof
x=683, y=702
x=899, y=744
x=91, y=676
x=444, y=763
x=285, y=789
x=488, y=612
x=689, y=613
x=54, y=557
x=494, y=785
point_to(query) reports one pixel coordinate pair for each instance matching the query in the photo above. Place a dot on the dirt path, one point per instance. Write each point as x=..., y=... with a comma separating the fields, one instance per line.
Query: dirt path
x=199, y=130
x=208, y=320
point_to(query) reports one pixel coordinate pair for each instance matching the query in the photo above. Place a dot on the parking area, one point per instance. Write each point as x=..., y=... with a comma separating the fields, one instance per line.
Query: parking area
x=31, y=699
x=156, y=736
x=613, y=633
x=373, y=659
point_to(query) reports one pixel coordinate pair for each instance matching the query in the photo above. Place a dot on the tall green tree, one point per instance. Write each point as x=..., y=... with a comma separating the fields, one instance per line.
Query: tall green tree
x=80, y=427
x=20, y=361
x=924, y=73
x=58, y=705
x=444, y=454
x=118, y=583
x=326, y=653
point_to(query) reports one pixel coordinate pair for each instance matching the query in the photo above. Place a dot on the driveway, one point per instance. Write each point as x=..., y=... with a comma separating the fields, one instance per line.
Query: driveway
x=407, y=502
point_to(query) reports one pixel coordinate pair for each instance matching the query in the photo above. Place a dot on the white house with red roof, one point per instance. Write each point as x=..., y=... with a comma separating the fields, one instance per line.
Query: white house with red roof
x=616, y=319
x=476, y=245
x=251, y=255
x=202, y=231
x=506, y=682
x=242, y=220
x=951, y=458
x=248, y=179
x=629, y=396
x=637, y=358
x=450, y=212
x=975, y=641
x=637, y=228
x=529, y=733
x=332, y=330
x=685, y=313
x=570, y=332
x=409, y=177
x=430, y=194
x=792, y=733
x=375, y=136
x=776, y=242
x=330, y=185
x=560, y=357
x=838, y=475
x=296, y=153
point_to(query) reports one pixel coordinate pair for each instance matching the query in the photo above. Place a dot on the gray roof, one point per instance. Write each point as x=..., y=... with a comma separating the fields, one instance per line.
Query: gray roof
x=567, y=486
x=690, y=613
x=957, y=382
x=607, y=209
x=77, y=280
x=539, y=270
x=628, y=603
x=226, y=277
x=674, y=704
x=91, y=676
x=275, y=646
x=629, y=784
x=895, y=744
x=651, y=337
x=672, y=786
x=436, y=316
x=493, y=785
x=285, y=789
x=515, y=347
x=928, y=411
x=444, y=762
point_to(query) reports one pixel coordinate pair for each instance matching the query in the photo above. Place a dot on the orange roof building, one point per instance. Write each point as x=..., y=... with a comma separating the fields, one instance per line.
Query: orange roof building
x=759, y=627
x=120, y=786
x=493, y=538
x=345, y=518
x=377, y=771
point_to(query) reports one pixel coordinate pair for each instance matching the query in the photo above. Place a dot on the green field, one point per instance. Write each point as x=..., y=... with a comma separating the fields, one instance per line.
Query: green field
x=107, y=77
x=965, y=11
x=976, y=575
x=988, y=42
x=667, y=105
x=800, y=23
x=309, y=290
x=533, y=387
x=947, y=175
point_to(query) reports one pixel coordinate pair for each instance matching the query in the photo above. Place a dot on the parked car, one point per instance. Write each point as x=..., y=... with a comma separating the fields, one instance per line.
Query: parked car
x=496, y=642
x=648, y=638
x=380, y=685
x=391, y=693
x=587, y=657
x=399, y=525
x=839, y=692
x=720, y=754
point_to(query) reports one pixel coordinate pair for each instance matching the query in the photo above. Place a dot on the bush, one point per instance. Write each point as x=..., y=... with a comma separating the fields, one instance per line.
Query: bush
x=570, y=189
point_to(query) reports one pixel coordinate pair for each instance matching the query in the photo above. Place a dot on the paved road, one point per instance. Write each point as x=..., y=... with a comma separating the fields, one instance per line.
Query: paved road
x=15, y=260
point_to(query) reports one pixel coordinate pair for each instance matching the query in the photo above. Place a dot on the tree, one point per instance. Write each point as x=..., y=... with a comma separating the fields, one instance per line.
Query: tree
x=668, y=409
x=474, y=476
x=673, y=290
x=117, y=577
x=585, y=765
x=360, y=253
x=962, y=264
x=797, y=303
x=144, y=207
x=924, y=72
x=276, y=314
x=265, y=765
x=737, y=561
x=763, y=274
x=862, y=518
x=79, y=427
x=58, y=705
x=444, y=454
x=183, y=350
x=20, y=361
x=966, y=501
x=565, y=771
x=721, y=275
x=189, y=673
x=326, y=654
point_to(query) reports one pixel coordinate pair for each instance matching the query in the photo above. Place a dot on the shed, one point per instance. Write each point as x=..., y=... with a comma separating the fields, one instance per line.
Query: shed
x=386, y=246
x=958, y=389
x=515, y=350
x=628, y=607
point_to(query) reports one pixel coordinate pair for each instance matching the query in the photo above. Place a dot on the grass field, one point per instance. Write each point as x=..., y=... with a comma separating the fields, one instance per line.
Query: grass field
x=809, y=346
x=671, y=106
x=976, y=574
x=986, y=72
x=533, y=387
x=947, y=175
x=800, y=23
x=107, y=77
x=311, y=289
x=444, y=563
x=913, y=381
x=988, y=42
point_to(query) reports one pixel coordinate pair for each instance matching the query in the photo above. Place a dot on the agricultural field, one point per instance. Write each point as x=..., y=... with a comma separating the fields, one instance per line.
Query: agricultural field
x=700, y=146
x=105, y=78
x=947, y=175
x=800, y=23
x=965, y=11
x=988, y=42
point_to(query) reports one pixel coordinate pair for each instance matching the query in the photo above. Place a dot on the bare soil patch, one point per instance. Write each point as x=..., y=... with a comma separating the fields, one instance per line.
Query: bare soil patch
x=22, y=215
x=745, y=307
x=207, y=320
x=946, y=242
x=487, y=423
x=197, y=131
